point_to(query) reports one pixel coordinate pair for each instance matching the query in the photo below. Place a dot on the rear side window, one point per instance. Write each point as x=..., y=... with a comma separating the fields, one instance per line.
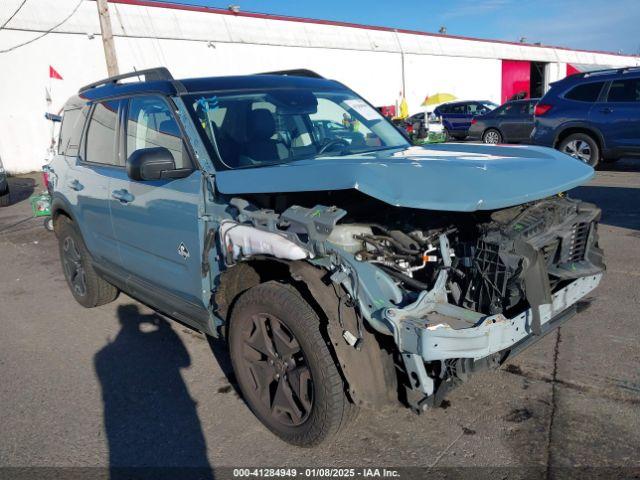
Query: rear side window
x=458, y=109
x=150, y=123
x=507, y=109
x=587, y=92
x=71, y=130
x=624, y=90
x=101, y=134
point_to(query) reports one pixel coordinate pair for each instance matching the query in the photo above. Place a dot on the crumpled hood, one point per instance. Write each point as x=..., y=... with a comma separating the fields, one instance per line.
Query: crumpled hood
x=454, y=177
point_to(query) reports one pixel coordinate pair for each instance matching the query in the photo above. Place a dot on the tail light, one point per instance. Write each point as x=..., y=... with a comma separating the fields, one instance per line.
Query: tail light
x=474, y=121
x=541, y=109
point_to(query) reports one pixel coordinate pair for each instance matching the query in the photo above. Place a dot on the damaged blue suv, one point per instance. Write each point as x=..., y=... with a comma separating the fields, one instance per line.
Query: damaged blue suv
x=345, y=267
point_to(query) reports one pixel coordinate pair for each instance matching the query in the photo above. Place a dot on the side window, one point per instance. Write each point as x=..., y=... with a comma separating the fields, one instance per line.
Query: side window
x=477, y=109
x=150, y=123
x=100, y=144
x=458, y=109
x=588, y=92
x=624, y=90
x=71, y=130
x=507, y=109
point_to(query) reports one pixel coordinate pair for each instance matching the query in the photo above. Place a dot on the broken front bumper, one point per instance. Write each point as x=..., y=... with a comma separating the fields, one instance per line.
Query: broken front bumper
x=495, y=333
x=443, y=331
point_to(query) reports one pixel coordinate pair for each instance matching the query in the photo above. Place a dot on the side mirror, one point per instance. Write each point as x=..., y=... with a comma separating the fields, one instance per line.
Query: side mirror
x=155, y=163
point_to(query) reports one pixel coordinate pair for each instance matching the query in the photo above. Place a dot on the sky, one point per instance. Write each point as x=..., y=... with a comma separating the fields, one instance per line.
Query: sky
x=610, y=25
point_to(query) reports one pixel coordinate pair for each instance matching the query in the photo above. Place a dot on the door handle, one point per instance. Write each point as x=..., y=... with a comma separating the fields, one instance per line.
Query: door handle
x=607, y=110
x=75, y=185
x=123, y=196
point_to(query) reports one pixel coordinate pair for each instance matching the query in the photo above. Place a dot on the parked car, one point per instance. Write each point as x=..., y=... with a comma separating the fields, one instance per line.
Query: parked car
x=456, y=116
x=342, y=273
x=592, y=116
x=511, y=122
x=5, y=195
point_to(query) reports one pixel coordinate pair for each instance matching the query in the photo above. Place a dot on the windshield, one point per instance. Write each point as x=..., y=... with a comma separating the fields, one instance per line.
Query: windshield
x=283, y=125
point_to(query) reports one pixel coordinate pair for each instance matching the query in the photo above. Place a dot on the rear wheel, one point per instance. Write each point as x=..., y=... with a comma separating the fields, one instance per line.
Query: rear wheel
x=492, y=136
x=5, y=198
x=581, y=146
x=86, y=286
x=283, y=365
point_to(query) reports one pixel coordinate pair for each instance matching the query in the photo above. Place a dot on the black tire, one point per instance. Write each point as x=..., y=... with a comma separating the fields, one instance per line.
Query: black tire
x=581, y=146
x=492, y=136
x=447, y=136
x=303, y=408
x=5, y=198
x=86, y=286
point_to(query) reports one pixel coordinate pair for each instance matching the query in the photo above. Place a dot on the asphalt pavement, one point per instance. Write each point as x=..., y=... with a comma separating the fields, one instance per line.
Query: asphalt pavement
x=120, y=386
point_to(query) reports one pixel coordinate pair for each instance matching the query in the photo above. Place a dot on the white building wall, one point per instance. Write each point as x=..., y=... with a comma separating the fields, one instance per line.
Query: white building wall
x=367, y=60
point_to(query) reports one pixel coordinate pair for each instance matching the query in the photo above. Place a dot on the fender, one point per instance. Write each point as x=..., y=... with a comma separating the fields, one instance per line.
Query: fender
x=582, y=125
x=368, y=369
x=59, y=204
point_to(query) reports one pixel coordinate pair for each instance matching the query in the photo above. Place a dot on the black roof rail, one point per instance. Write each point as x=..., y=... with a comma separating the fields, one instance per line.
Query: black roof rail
x=150, y=75
x=299, y=72
x=607, y=71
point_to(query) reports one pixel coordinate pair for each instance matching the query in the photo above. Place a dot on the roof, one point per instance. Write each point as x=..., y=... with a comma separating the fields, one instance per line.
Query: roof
x=108, y=89
x=266, y=16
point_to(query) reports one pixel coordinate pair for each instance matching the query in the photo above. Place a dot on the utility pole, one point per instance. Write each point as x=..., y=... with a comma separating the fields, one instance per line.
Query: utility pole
x=107, y=38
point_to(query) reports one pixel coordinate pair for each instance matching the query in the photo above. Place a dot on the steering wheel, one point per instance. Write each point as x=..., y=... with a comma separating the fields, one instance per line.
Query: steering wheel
x=332, y=143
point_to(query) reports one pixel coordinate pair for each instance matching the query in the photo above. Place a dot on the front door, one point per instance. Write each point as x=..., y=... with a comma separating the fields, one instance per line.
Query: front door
x=157, y=223
x=618, y=116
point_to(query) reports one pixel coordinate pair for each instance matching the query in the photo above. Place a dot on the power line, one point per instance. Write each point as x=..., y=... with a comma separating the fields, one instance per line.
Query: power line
x=47, y=32
x=14, y=14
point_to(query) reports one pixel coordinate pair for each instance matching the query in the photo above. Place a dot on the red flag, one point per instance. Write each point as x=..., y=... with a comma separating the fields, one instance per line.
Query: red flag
x=54, y=74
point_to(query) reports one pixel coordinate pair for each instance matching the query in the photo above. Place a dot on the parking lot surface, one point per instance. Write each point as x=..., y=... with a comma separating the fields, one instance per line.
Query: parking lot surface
x=119, y=385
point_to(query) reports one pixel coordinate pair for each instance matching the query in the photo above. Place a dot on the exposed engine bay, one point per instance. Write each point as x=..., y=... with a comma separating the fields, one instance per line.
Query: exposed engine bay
x=489, y=259
x=490, y=251
x=498, y=276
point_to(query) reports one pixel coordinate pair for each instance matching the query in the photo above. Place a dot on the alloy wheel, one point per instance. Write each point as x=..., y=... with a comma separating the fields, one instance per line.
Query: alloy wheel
x=277, y=370
x=492, y=137
x=73, y=269
x=579, y=149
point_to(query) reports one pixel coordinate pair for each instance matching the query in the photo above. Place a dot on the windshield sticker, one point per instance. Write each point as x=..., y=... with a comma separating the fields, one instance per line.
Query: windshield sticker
x=363, y=109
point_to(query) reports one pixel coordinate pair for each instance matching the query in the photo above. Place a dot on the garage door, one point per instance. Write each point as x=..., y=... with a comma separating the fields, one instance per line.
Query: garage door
x=516, y=78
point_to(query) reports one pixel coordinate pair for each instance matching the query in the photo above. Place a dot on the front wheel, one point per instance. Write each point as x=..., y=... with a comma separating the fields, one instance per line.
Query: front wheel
x=284, y=367
x=492, y=136
x=582, y=147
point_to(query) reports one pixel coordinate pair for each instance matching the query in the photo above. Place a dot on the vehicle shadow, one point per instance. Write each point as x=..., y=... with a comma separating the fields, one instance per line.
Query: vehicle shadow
x=220, y=350
x=620, y=205
x=20, y=188
x=622, y=165
x=151, y=423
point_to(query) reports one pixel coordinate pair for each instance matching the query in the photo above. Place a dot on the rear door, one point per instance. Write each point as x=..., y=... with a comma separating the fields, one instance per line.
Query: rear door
x=617, y=115
x=518, y=121
x=507, y=121
x=458, y=117
x=157, y=223
x=87, y=181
